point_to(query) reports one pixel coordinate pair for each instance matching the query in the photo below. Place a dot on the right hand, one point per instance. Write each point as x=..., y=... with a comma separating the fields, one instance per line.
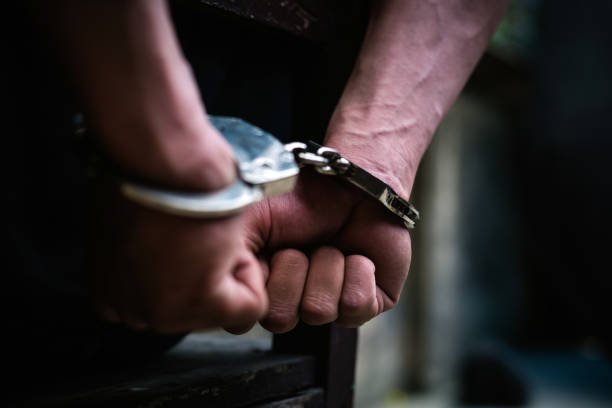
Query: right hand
x=336, y=255
x=150, y=269
x=173, y=274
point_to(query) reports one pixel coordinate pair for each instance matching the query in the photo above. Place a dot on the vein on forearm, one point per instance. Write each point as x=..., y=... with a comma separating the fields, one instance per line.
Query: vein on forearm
x=415, y=59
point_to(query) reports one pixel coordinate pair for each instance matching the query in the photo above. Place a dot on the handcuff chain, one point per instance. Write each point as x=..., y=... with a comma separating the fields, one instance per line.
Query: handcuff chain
x=324, y=160
x=328, y=161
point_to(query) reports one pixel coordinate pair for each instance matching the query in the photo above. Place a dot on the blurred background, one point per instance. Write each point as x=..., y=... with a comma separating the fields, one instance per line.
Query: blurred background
x=509, y=297
x=508, y=300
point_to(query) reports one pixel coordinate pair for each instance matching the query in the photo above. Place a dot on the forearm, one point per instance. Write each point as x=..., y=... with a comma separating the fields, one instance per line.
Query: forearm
x=415, y=59
x=138, y=90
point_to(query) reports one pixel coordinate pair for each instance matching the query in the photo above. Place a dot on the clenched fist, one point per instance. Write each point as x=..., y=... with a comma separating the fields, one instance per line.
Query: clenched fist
x=332, y=254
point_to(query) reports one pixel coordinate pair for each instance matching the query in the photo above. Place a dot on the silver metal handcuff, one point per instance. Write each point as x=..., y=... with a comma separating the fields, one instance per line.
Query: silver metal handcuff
x=266, y=167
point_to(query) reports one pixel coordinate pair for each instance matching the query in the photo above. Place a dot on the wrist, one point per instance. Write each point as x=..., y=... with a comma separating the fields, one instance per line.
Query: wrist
x=389, y=150
x=140, y=98
x=171, y=152
x=160, y=132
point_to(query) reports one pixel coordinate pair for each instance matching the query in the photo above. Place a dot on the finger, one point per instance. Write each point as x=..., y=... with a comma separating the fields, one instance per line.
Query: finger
x=389, y=247
x=323, y=286
x=285, y=287
x=242, y=298
x=239, y=329
x=235, y=303
x=358, y=302
x=392, y=271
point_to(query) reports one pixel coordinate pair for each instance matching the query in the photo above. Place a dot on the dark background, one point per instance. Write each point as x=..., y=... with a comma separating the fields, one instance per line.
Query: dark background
x=509, y=297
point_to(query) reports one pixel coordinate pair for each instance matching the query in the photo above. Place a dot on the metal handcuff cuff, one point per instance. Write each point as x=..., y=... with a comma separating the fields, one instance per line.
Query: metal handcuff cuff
x=266, y=167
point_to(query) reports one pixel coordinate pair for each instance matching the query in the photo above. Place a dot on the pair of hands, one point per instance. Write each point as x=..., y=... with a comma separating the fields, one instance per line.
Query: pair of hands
x=322, y=253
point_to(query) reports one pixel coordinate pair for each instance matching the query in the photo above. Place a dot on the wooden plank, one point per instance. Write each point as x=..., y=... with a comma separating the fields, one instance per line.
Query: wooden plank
x=198, y=372
x=312, y=398
x=334, y=349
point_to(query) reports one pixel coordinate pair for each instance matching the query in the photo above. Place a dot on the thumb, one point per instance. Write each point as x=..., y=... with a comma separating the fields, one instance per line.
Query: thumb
x=241, y=295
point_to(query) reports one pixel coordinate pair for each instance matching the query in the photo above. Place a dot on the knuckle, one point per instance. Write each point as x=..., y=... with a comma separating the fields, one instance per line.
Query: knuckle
x=232, y=302
x=360, y=262
x=291, y=258
x=328, y=255
x=387, y=298
x=391, y=302
x=355, y=302
x=318, y=310
x=280, y=321
x=329, y=250
x=238, y=311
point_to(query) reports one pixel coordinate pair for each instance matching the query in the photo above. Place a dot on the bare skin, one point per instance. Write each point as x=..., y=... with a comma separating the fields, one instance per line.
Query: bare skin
x=343, y=259
x=156, y=271
x=416, y=57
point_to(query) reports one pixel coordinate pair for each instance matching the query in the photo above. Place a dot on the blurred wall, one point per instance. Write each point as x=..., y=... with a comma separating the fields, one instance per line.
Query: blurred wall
x=516, y=196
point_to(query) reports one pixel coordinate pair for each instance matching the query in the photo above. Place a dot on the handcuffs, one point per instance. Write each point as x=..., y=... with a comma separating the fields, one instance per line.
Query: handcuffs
x=266, y=167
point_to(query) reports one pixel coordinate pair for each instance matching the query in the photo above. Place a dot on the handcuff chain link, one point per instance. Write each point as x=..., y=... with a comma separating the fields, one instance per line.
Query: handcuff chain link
x=328, y=161
x=324, y=160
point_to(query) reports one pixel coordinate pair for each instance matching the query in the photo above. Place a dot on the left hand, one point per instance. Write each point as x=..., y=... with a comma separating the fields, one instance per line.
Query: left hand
x=169, y=274
x=333, y=254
